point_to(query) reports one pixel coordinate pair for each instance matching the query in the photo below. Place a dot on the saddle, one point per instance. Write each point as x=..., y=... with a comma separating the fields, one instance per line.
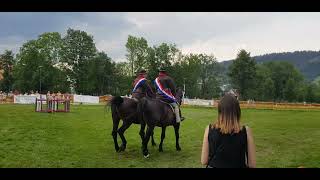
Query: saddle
x=172, y=108
x=135, y=99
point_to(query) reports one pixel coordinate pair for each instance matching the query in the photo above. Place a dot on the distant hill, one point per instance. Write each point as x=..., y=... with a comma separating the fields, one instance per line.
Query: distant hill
x=308, y=62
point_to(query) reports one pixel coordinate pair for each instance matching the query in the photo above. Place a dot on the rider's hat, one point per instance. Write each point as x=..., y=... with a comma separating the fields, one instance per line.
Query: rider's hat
x=162, y=70
x=142, y=71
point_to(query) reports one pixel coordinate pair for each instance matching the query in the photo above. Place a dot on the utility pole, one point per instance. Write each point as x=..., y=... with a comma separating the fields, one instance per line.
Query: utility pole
x=40, y=78
x=184, y=87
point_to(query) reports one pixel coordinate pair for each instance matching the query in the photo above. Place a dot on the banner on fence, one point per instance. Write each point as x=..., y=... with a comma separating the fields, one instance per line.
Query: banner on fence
x=24, y=99
x=86, y=99
x=198, y=102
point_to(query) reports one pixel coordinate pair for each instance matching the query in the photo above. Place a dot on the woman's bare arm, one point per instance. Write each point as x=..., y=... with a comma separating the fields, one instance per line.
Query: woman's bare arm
x=205, y=148
x=251, y=149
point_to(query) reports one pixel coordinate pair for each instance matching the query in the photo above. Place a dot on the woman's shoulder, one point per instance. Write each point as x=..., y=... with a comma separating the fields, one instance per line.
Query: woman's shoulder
x=246, y=127
x=248, y=130
x=212, y=129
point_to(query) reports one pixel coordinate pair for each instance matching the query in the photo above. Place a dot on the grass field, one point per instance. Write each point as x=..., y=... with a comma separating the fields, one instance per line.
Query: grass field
x=82, y=138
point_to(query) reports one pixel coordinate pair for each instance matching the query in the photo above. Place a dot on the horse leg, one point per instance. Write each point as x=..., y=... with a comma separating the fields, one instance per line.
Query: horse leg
x=152, y=139
x=121, y=131
x=163, y=135
x=146, y=140
x=114, y=133
x=176, y=130
x=141, y=132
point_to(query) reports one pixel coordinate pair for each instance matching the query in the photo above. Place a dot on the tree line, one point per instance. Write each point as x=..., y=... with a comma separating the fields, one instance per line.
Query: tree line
x=277, y=81
x=73, y=64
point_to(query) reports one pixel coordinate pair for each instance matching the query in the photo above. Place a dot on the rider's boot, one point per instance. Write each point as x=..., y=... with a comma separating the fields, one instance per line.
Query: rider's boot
x=181, y=118
x=177, y=112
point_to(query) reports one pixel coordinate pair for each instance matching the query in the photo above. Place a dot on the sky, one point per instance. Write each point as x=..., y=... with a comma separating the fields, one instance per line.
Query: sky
x=221, y=34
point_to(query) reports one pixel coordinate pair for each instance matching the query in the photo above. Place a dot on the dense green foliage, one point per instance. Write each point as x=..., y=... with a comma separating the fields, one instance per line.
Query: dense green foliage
x=307, y=62
x=278, y=81
x=73, y=64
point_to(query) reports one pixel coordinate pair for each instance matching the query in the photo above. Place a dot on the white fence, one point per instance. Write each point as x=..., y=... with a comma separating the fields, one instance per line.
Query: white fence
x=24, y=99
x=86, y=99
x=198, y=102
x=31, y=99
x=27, y=99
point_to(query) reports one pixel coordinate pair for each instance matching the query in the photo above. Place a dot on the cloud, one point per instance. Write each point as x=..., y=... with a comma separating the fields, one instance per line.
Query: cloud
x=11, y=43
x=278, y=33
x=105, y=27
x=222, y=34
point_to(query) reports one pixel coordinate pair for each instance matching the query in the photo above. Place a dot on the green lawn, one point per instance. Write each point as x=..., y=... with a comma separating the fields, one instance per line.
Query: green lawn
x=82, y=138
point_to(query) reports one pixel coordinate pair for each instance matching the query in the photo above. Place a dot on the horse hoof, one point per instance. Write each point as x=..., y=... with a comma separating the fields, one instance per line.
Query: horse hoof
x=160, y=150
x=119, y=150
x=146, y=156
x=154, y=144
x=122, y=148
x=178, y=149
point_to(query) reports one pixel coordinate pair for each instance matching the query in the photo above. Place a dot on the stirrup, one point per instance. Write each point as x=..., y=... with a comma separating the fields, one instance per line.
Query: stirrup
x=182, y=118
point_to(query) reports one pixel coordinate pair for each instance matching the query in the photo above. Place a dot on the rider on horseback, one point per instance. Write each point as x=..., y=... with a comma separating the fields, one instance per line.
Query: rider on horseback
x=166, y=91
x=141, y=87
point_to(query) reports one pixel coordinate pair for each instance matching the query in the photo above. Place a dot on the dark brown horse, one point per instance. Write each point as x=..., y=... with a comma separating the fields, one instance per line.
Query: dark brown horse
x=125, y=109
x=154, y=113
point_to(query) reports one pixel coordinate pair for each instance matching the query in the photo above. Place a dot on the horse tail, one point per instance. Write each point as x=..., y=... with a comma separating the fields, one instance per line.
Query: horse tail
x=117, y=101
x=114, y=103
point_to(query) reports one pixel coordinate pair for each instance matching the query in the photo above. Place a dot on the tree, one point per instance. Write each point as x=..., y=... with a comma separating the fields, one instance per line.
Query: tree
x=123, y=79
x=162, y=56
x=317, y=92
x=201, y=74
x=50, y=45
x=242, y=73
x=287, y=80
x=290, y=90
x=6, y=64
x=136, y=53
x=209, y=76
x=27, y=71
x=165, y=54
x=152, y=63
x=38, y=65
x=78, y=50
x=190, y=70
x=101, y=74
x=264, y=85
x=312, y=92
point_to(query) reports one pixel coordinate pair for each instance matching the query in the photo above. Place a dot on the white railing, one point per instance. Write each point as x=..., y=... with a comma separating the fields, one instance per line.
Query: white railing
x=198, y=102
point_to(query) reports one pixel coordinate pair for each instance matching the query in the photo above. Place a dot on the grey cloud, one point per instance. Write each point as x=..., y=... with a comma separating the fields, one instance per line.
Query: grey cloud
x=19, y=27
x=218, y=33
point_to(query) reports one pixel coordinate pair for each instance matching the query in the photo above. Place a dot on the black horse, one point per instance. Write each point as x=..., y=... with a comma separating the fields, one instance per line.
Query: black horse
x=125, y=109
x=154, y=113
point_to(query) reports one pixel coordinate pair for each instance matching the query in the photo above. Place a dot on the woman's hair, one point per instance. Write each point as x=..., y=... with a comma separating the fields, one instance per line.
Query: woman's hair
x=229, y=114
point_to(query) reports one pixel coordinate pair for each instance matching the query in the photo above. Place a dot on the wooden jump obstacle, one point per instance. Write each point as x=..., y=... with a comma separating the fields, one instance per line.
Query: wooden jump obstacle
x=52, y=105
